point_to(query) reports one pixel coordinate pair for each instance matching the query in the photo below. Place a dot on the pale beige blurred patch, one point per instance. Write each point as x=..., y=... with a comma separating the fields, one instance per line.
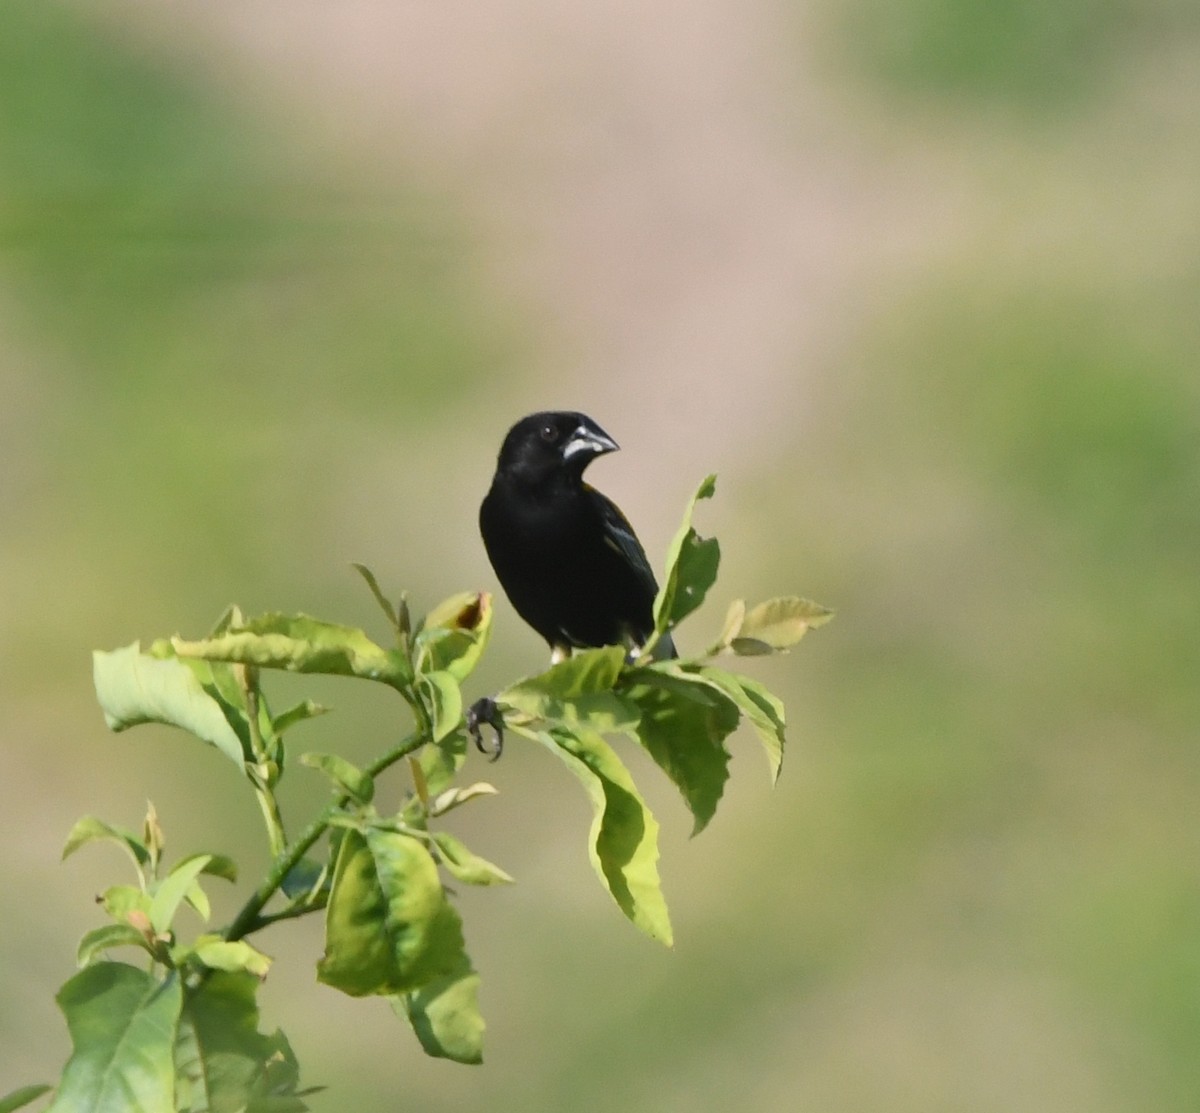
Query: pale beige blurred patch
x=694, y=222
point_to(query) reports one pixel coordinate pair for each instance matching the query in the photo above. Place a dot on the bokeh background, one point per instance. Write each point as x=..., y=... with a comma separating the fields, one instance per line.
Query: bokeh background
x=920, y=279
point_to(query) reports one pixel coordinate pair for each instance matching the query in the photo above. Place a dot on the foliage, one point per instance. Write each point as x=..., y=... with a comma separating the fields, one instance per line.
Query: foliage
x=183, y=1033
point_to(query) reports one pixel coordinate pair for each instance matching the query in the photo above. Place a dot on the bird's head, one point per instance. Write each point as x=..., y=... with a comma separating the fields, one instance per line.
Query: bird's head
x=554, y=442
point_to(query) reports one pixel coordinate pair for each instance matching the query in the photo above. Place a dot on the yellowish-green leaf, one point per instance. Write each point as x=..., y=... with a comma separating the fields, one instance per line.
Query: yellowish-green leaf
x=300, y=643
x=445, y=1015
x=171, y=891
x=388, y=926
x=734, y=618
x=232, y=957
x=778, y=624
x=121, y=900
x=764, y=710
x=300, y=713
x=384, y=605
x=623, y=846
x=347, y=777
x=576, y=691
x=454, y=634
x=466, y=865
x=133, y=687
x=443, y=700
x=440, y=764
x=90, y=829
x=584, y=673
x=105, y=938
x=455, y=797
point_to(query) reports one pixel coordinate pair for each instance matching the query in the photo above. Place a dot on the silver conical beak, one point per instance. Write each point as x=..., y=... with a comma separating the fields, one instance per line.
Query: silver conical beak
x=590, y=441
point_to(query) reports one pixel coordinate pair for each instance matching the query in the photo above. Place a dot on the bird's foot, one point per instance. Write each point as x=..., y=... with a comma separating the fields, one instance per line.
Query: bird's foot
x=486, y=711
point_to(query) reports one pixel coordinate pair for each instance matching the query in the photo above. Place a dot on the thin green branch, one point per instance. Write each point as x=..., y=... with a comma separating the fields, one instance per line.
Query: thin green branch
x=250, y=917
x=292, y=912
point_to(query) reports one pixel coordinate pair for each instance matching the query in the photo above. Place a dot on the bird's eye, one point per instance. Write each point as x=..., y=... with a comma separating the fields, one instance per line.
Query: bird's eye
x=549, y=434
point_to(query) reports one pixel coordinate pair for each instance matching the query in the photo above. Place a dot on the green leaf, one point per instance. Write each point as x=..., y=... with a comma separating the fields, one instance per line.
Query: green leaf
x=576, y=691
x=348, y=778
x=623, y=845
x=219, y=1048
x=277, y=1091
x=90, y=829
x=300, y=643
x=692, y=563
x=440, y=764
x=133, y=687
x=455, y=797
x=229, y=683
x=683, y=727
x=15, y=1099
x=197, y=899
x=445, y=1015
x=777, y=624
x=764, y=710
x=750, y=647
x=231, y=618
x=301, y=713
x=123, y=1024
x=454, y=634
x=224, y=1063
x=120, y=900
x=387, y=608
x=466, y=865
x=218, y=865
x=388, y=925
x=214, y=865
x=443, y=700
x=104, y=938
x=170, y=892
x=302, y=878
x=232, y=957
x=734, y=617
x=583, y=673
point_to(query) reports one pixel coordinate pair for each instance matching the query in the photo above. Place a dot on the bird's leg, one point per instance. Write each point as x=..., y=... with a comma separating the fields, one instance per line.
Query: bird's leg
x=559, y=653
x=486, y=711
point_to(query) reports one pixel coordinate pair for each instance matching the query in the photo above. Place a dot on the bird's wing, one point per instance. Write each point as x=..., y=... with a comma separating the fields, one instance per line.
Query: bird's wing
x=619, y=535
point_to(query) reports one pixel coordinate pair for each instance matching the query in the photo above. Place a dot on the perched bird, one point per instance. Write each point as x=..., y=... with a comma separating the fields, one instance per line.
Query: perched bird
x=567, y=558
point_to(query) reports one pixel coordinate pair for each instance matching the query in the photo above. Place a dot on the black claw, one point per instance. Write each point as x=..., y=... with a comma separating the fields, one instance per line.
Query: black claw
x=483, y=711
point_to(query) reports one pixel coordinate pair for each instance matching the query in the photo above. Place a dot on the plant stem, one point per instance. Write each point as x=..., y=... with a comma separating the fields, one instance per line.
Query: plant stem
x=271, y=817
x=250, y=917
x=292, y=912
x=260, y=773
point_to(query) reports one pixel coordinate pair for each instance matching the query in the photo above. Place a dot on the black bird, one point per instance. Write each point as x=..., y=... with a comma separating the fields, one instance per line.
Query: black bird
x=567, y=558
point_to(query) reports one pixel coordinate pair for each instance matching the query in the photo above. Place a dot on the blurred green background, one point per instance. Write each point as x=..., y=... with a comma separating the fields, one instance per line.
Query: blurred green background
x=919, y=279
